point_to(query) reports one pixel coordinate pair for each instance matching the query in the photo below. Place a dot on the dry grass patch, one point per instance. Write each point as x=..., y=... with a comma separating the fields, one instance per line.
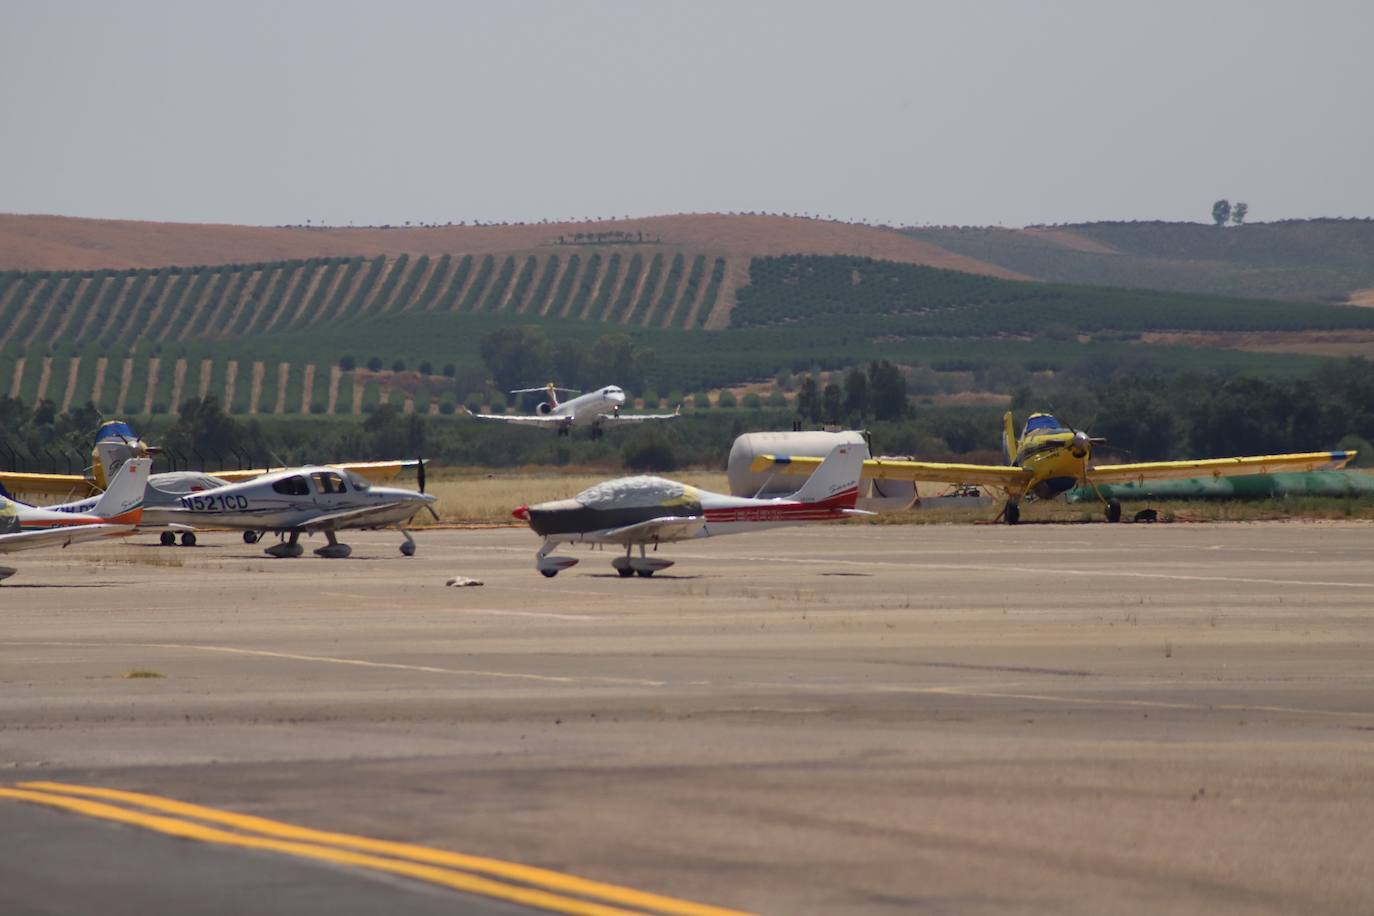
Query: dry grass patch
x=141, y=673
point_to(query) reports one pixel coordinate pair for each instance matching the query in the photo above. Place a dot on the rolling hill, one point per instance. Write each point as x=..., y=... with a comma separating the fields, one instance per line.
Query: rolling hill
x=718, y=299
x=1328, y=260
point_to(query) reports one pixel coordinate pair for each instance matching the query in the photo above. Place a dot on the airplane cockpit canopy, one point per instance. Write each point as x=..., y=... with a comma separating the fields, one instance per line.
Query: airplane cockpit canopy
x=1044, y=423
x=116, y=429
x=633, y=492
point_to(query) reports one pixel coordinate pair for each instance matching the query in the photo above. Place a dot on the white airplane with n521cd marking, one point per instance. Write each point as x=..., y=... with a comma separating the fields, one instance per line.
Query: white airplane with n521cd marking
x=296, y=501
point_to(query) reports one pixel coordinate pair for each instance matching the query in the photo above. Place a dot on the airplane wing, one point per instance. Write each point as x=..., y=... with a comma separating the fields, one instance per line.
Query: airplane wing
x=374, y=471
x=522, y=419
x=1219, y=467
x=28, y=484
x=986, y=475
x=615, y=419
x=355, y=518
x=668, y=528
x=59, y=537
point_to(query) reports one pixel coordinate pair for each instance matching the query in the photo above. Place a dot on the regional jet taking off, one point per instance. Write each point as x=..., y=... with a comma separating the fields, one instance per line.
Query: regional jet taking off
x=23, y=527
x=595, y=409
x=638, y=511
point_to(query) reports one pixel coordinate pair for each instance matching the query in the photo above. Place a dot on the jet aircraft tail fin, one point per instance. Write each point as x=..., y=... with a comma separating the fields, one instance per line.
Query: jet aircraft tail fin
x=123, y=501
x=836, y=481
x=1008, y=439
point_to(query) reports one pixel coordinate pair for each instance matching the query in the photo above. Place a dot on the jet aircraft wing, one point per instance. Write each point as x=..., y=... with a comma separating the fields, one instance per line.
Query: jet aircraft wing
x=987, y=475
x=615, y=419
x=523, y=419
x=668, y=528
x=1220, y=467
x=49, y=537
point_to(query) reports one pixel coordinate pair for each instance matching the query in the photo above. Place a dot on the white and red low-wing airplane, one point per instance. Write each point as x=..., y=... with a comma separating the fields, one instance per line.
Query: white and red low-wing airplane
x=115, y=513
x=639, y=511
x=596, y=409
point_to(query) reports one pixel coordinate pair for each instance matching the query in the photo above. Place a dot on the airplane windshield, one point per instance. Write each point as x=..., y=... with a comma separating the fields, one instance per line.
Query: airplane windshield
x=1043, y=423
x=358, y=483
x=628, y=492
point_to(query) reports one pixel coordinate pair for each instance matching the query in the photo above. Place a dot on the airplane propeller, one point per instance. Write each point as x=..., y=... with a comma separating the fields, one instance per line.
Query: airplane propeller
x=420, y=473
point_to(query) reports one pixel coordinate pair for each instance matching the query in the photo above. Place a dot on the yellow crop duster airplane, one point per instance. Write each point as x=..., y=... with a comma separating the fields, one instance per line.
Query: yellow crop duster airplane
x=1051, y=458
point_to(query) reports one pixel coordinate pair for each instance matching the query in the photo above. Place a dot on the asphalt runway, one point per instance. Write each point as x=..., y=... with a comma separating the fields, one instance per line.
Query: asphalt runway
x=855, y=719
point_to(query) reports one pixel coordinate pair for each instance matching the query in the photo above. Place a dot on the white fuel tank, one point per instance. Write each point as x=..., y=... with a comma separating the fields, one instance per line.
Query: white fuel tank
x=874, y=495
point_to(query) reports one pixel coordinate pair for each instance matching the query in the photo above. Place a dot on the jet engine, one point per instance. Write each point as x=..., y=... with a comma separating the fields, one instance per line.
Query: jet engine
x=544, y=408
x=874, y=495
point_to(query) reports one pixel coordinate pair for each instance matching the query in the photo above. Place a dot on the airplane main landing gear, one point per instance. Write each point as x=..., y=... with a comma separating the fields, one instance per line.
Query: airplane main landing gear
x=167, y=539
x=642, y=566
x=288, y=548
x=333, y=550
x=188, y=539
x=1113, y=510
x=1011, y=512
x=251, y=537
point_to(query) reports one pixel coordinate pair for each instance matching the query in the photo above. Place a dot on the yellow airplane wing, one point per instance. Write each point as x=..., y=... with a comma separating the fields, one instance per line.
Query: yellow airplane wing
x=986, y=475
x=1220, y=467
x=374, y=471
x=23, y=484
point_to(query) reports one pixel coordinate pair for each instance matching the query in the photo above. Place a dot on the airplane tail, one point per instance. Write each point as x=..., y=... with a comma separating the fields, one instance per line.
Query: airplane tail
x=1008, y=439
x=122, y=503
x=836, y=481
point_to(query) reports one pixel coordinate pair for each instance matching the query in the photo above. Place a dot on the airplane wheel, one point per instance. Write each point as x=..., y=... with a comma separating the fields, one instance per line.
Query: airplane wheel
x=1113, y=510
x=548, y=573
x=625, y=571
x=188, y=539
x=408, y=549
x=167, y=539
x=250, y=537
x=1012, y=514
x=644, y=573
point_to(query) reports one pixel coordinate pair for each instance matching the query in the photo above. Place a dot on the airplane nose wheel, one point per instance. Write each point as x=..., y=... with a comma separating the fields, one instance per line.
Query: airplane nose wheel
x=250, y=537
x=408, y=545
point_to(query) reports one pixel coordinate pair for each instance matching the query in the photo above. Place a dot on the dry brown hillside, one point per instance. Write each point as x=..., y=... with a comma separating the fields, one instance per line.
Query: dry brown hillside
x=70, y=243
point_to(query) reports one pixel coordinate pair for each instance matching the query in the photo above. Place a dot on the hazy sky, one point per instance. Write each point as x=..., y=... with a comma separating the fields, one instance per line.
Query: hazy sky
x=951, y=112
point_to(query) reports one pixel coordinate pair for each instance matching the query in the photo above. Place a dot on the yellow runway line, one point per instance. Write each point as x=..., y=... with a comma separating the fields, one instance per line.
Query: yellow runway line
x=420, y=862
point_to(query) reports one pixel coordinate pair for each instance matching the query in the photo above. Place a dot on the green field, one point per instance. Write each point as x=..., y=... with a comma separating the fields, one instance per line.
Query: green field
x=796, y=314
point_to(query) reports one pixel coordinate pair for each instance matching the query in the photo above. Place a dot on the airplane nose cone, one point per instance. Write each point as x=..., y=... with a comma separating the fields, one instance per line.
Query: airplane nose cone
x=522, y=513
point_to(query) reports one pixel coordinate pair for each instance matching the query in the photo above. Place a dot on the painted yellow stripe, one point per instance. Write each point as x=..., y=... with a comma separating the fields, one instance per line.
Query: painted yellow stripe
x=296, y=835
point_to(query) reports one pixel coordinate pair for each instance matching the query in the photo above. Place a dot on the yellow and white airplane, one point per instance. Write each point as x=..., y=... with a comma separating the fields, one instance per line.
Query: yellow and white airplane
x=1051, y=458
x=116, y=442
